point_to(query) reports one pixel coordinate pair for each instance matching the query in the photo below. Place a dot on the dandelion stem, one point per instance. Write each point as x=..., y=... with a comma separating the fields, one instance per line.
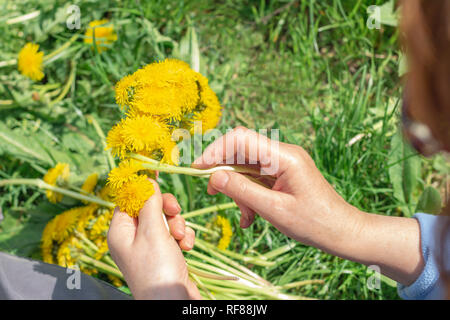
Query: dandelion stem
x=300, y=283
x=226, y=268
x=215, y=252
x=101, y=134
x=43, y=185
x=24, y=17
x=254, y=260
x=62, y=48
x=67, y=86
x=202, y=286
x=206, y=173
x=46, y=58
x=217, y=207
x=201, y=228
x=209, y=275
x=101, y=266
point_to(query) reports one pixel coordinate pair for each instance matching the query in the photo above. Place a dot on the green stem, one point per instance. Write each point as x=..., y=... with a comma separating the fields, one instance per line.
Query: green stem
x=62, y=48
x=253, y=260
x=209, y=275
x=101, y=266
x=206, y=173
x=269, y=292
x=24, y=17
x=46, y=57
x=202, y=228
x=225, y=268
x=214, y=252
x=274, y=253
x=67, y=86
x=202, y=286
x=42, y=185
x=300, y=283
x=217, y=207
x=101, y=134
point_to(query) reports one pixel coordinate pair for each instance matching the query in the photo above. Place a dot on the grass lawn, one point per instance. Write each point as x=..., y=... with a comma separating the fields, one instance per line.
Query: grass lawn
x=312, y=69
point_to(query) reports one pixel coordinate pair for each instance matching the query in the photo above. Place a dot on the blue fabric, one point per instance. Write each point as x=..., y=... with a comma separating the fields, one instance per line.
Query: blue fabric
x=429, y=284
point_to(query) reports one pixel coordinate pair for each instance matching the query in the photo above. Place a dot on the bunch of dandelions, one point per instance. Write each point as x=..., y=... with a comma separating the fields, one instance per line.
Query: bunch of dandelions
x=158, y=99
x=78, y=238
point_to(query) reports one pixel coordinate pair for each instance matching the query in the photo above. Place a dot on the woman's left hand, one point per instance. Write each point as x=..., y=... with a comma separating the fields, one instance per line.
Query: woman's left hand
x=150, y=257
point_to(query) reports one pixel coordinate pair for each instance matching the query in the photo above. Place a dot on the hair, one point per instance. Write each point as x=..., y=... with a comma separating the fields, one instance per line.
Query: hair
x=425, y=34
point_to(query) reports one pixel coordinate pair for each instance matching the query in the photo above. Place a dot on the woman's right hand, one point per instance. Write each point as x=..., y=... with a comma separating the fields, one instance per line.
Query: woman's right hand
x=304, y=206
x=300, y=203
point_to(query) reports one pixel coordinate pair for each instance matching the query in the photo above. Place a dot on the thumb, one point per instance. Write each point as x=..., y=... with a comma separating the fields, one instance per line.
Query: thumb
x=151, y=221
x=245, y=192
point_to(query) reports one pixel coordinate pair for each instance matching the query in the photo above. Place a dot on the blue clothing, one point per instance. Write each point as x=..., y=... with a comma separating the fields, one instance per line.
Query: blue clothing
x=429, y=285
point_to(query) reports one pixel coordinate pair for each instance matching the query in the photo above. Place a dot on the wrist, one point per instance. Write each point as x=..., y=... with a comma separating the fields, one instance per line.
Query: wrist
x=344, y=230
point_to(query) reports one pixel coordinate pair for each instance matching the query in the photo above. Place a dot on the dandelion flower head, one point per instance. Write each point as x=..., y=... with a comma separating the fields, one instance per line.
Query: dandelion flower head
x=57, y=176
x=30, y=61
x=103, y=33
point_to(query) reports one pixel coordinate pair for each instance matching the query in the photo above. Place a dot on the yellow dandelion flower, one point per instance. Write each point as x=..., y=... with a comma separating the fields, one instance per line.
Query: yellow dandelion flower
x=116, y=141
x=104, y=34
x=67, y=252
x=124, y=90
x=126, y=171
x=100, y=227
x=204, y=120
x=115, y=281
x=102, y=246
x=144, y=134
x=208, y=112
x=90, y=183
x=133, y=194
x=168, y=88
x=86, y=218
x=30, y=61
x=225, y=230
x=47, y=242
x=58, y=230
x=65, y=223
x=133, y=112
x=57, y=176
x=171, y=153
x=105, y=193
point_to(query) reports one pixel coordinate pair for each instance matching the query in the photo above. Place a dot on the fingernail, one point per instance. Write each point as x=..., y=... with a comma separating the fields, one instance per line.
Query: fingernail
x=220, y=180
x=190, y=242
x=180, y=229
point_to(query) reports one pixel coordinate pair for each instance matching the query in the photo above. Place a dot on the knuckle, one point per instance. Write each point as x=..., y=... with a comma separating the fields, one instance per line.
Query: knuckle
x=241, y=186
x=240, y=128
x=298, y=155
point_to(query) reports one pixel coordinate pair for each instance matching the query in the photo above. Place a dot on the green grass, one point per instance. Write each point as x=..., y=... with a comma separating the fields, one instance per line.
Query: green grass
x=313, y=70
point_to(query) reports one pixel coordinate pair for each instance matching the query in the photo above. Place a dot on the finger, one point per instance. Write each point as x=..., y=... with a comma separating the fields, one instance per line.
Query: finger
x=210, y=189
x=122, y=230
x=247, y=215
x=151, y=222
x=187, y=243
x=177, y=226
x=171, y=206
x=247, y=193
x=242, y=146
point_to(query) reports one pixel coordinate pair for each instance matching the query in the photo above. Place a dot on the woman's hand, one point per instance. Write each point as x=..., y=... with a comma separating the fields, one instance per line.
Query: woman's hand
x=300, y=203
x=305, y=207
x=150, y=257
